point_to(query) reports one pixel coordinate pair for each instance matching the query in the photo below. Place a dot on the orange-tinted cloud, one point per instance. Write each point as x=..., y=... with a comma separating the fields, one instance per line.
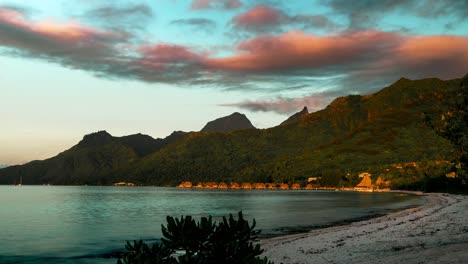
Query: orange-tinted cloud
x=68, y=43
x=161, y=55
x=259, y=16
x=355, y=59
x=268, y=19
x=71, y=30
x=297, y=50
x=350, y=53
x=221, y=4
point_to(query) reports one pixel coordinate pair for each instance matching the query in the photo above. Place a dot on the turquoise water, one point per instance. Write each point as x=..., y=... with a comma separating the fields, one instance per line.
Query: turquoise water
x=52, y=224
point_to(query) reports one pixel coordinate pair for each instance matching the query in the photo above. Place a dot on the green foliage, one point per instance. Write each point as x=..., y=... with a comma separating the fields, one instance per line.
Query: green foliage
x=141, y=253
x=455, y=127
x=206, y=242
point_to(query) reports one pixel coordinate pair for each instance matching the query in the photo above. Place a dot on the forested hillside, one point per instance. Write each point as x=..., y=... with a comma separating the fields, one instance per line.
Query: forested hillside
x=352, y=134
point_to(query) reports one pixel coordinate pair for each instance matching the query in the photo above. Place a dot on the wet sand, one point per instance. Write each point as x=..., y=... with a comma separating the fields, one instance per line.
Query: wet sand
x=436, y=232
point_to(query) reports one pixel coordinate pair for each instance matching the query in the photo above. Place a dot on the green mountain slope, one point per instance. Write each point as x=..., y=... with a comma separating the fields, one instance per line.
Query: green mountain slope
x=96, y=155
x=352, y=134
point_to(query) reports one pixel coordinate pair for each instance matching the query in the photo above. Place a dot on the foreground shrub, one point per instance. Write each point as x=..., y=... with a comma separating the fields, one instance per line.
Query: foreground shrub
x=230, y=241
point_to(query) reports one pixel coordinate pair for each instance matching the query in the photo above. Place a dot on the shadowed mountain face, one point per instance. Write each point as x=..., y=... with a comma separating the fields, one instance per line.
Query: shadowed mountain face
x=233, y=122
x=297, y=117
x=90, y=161
x=352, y=134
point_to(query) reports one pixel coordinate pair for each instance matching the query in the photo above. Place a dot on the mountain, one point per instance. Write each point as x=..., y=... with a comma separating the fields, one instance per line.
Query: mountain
x=297, y=117
x=91, y=161
x=3, y=166
x=353, y=134
x=233, y=122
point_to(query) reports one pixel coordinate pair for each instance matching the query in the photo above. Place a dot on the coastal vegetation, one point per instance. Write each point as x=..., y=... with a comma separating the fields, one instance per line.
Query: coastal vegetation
x=230, y=241
x=411, y=121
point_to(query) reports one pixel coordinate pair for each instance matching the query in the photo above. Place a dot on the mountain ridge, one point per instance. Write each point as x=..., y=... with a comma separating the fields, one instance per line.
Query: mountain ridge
x=351, y=133
x=296, y=117
x=235, y=121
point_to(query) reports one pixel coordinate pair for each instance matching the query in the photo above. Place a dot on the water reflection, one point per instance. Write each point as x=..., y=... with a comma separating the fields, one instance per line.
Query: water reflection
x=40, y=222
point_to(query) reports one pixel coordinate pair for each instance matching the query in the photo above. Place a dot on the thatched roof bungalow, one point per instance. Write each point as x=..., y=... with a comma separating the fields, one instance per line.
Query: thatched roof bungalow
x=246, y=186
x=185, y=185
x=296, y=186
x=234, y=186
x=259, y=186
x=223, y=185
x=365, y=184
x=199, y=185
x=284, y=186
x=210, y=185
x=271, y=186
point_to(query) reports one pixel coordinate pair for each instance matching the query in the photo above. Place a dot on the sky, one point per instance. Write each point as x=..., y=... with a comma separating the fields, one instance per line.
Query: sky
x=73, y=67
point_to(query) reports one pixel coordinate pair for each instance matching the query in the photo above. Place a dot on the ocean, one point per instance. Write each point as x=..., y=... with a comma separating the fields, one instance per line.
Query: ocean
x=89, y=224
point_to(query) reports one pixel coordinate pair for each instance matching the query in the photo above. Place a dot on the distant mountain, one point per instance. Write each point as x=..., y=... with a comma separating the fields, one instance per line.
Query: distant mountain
x=297, y=117
x=91, y=161
x=3, y=166
x=233, y=122
x=353, y=134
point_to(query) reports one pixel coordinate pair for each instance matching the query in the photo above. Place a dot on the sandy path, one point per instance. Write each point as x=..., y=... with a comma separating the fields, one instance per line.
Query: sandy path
x=434, y=233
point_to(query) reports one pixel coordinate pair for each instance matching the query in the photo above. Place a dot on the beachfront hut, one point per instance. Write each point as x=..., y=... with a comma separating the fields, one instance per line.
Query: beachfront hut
x=246, y=185
x=120, y=184
x=185, y=185
x=364, y=174
x=234, y=186
x=210, y=185
x=222, y=185
x=309, y=187
x=199, y=185
x=296, y=186
x=271, y=186
x=284, y=186
x=365, y=184
x=259, y=186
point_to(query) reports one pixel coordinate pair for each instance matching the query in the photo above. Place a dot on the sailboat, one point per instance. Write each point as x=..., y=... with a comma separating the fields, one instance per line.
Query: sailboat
x=21, y=182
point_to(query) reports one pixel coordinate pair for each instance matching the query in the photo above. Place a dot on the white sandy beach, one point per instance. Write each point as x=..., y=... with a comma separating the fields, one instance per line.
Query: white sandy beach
x=436, y=232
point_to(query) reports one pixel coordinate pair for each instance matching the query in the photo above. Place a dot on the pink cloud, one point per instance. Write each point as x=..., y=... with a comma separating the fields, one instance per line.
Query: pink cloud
x=295, y=50
x=223, y=4
x=263, y=18
x=68, y=43
x=260, y=16
x=283, y=105
x=71, y=30
x=12, y=17
x=351, y=53
x=160, y=55
x=357, y=58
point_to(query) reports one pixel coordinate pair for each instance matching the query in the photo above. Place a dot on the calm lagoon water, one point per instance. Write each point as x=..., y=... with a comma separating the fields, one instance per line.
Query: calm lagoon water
x=57, y=224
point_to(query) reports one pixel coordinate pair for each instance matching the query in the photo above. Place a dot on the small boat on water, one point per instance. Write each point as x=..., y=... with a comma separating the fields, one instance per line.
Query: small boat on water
x=20, y=184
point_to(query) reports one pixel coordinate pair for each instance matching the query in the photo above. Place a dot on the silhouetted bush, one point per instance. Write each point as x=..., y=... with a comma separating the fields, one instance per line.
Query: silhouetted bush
x=206, y=242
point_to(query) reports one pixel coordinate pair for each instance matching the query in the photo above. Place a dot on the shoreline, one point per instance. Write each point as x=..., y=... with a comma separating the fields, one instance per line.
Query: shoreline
x=436, y=232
